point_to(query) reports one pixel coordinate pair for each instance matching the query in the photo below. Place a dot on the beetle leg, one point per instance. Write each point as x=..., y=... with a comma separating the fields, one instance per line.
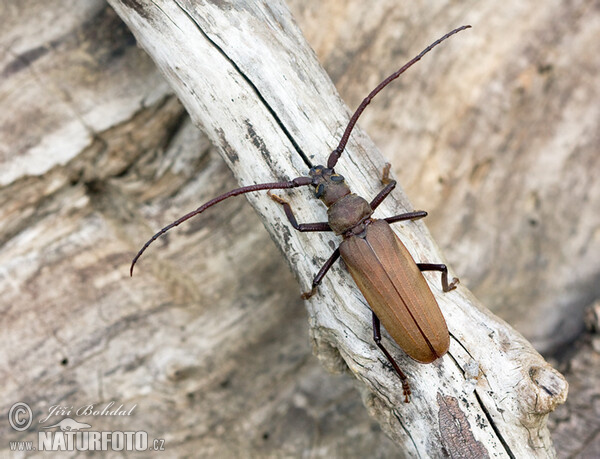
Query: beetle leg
x=444, y=270
x=389, y=186
x=319, y=226
x=377, y=339
x=385, y=175
x=321, y=274
x=415, y=215
x=383, y=194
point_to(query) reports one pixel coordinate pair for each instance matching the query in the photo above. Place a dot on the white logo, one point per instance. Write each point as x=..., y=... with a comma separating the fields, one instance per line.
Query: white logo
x=68, y=424
x=20, y=416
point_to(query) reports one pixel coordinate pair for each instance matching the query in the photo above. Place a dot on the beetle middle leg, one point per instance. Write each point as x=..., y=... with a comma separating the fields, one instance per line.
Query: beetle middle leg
x=415, y=215
x=318, y=226
x=444, y=270
x=377, y=339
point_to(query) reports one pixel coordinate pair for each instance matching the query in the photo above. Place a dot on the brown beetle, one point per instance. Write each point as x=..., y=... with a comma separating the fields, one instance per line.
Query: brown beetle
x=383, y=269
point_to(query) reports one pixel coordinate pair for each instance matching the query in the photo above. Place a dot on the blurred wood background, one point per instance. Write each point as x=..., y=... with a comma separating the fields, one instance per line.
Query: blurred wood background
x=211, y=343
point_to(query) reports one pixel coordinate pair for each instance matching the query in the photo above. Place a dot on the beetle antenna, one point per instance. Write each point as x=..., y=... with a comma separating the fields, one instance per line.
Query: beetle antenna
x=299, y=181
x=335, y=154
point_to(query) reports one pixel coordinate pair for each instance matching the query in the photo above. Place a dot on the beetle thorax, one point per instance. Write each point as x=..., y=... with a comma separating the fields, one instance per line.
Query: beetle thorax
x=346, y=210
x=348, y=213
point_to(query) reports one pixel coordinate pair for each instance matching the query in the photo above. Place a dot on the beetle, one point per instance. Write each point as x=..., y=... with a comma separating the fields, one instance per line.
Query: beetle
x=383, y=269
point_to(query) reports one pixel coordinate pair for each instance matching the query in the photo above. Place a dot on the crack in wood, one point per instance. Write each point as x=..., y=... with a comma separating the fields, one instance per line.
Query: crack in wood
x=252, y=85
x=494, y=426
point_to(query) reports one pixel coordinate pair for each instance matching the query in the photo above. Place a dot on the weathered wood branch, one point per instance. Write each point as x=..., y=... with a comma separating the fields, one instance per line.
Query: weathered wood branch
x=246, y=75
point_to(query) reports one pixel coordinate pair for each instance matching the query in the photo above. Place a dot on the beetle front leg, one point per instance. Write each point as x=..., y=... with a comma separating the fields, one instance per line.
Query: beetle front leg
x=389, y=186
x=319, y=226
x=444, y=270
x=377, y=339
x=321, y=274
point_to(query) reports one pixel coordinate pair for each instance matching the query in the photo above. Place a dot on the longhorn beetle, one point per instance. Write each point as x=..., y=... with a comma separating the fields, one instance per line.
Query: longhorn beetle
x=381, y=266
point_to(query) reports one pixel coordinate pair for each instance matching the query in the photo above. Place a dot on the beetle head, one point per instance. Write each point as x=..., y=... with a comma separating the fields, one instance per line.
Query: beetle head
x=329, y=186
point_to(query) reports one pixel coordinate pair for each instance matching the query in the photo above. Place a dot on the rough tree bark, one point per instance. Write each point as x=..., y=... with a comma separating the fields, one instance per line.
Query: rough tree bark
x=96, y=155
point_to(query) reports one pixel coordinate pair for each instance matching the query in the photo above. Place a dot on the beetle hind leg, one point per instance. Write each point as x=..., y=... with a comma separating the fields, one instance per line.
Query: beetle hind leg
x=318, y=226
x=444, y=270
x=377, y=339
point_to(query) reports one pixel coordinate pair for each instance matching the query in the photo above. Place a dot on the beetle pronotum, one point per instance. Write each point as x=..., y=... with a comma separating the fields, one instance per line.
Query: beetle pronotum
x=386, y=274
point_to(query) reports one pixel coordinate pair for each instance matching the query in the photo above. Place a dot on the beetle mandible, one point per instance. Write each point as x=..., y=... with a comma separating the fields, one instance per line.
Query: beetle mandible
x=386, y=274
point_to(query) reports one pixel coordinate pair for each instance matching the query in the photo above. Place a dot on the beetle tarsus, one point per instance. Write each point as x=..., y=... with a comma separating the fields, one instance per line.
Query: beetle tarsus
x=385, y=176
x=407, y=391
x=276, y=198
x=446, y=287
x=453, y=284
x=307, y=295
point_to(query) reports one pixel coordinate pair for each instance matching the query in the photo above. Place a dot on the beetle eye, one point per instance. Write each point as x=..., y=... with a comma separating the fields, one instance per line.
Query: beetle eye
x=320, y=190
x=337, y=178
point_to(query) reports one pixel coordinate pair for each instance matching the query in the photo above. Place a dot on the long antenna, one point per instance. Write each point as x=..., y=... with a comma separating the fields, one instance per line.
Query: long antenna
x=299, y=181
x=335, y=154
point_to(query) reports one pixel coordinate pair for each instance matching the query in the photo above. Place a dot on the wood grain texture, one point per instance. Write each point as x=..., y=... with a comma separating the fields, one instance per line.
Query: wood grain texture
x=494, y=136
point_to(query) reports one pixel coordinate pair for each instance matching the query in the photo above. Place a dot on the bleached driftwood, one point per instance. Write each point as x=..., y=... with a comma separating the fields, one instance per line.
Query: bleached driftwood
x=245, y=73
